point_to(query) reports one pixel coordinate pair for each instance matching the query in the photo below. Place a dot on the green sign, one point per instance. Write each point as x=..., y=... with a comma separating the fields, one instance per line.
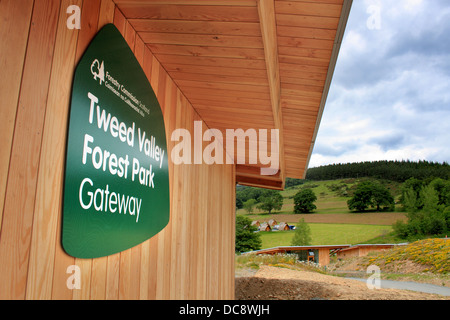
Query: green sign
x=116, y=189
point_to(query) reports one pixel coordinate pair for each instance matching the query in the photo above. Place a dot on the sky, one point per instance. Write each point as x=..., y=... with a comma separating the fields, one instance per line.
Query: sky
x=390, y=94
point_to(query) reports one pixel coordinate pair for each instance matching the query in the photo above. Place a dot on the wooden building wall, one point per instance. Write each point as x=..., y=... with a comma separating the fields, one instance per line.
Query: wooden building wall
x=192, y=258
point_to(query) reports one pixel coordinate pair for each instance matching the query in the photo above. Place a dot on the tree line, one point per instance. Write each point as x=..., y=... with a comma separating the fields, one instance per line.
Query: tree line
x=427, y=206
x=399, y=171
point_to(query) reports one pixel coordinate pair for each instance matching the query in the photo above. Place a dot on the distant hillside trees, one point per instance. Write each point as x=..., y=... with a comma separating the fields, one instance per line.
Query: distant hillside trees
x=244, y=193
x=371, y=194
x=428, y=209
x=399, y=171
x=249, y=205
x=304, y=201
x=290, y=182
x=270, y=200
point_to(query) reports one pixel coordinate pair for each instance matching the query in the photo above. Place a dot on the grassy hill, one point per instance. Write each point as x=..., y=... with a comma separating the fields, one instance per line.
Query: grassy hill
x=332, y=222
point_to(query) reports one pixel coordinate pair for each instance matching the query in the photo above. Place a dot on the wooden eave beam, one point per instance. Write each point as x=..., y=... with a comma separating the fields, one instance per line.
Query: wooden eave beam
x=259, y=182
x=345, y=13
x=266, y=10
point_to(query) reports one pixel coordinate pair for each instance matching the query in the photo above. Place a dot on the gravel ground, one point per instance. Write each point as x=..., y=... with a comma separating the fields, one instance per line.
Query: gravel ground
x=272, y=283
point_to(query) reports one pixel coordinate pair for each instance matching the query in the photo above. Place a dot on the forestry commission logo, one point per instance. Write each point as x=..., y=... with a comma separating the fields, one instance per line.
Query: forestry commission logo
x=98, y=70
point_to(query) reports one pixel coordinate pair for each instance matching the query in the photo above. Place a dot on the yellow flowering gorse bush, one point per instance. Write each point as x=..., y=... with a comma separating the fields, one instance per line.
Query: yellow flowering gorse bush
x=434, y=253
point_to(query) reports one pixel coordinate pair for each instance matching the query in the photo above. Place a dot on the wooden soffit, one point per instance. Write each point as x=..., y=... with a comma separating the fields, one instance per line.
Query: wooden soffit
x=249, y=64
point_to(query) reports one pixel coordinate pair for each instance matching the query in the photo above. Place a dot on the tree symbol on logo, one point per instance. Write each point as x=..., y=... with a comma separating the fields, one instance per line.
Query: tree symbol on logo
x=98, y=70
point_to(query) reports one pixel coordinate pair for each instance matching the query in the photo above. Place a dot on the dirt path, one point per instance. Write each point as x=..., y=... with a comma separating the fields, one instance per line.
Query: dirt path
x=286, y=284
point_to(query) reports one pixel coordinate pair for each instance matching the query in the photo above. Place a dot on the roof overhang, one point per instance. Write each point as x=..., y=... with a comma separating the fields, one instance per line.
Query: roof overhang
x=249, y=64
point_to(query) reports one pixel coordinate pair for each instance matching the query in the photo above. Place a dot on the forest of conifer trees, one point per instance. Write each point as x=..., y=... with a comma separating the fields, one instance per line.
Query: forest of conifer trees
x=399, y=171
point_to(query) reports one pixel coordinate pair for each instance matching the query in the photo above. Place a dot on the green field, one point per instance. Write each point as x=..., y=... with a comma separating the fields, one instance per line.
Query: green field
x=332, y=222
x=323, y=233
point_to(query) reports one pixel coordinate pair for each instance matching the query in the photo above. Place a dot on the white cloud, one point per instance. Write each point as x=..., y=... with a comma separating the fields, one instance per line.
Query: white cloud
x=390, y=96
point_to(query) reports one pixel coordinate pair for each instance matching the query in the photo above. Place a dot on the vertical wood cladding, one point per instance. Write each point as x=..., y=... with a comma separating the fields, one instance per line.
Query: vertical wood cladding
x=192, y=258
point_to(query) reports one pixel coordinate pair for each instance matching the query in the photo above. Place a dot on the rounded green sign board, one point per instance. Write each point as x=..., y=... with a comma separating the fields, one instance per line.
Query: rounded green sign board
x=116, y=188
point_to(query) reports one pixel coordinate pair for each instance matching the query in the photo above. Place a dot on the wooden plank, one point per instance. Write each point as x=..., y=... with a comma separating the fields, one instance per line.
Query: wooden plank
x=144, y=259
x=230, y=99
x=302, y=81
x=224, y=116
x=305, y=52
x=232, y=240
x=207, y=51
x=259, y=182
x=268, y=30
x=212, y=240
x=98, y=279
x=119, y=20
x=244, y=3
x=130, y=35
x=154, y=242
x=89, y=25
x=298, y=133
x=220, y=235
x=304, y=124
x=252, y=171
x=176, y=205
x=213, y=122
x=189, y=255
x=135, y=273
x=302, y=72
x=302, y=88
x=293, y=20
x=210, y=40
x=263, y=105
x=125, y=291
x=112, y=277
x=299, y=42
x=84, y=293
x=293, y=94
x=21, y=185
x=223, y=128
x=211, y=61
x=49, y=187
x=217, y=78
x=196, y=27
x=302, y=1
x=299, y=102
x=304, y=61
x=161, y=85
x=309, y=33
x=189, y=12
x=230, y=87
x=216, y=70
x=308, y=8
x=246, y=109
x=106, y=15
x=224, y=92
x=164, y=244
x=302, y=112
x=15, y=17
x=293, y=68
x=183, y=280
